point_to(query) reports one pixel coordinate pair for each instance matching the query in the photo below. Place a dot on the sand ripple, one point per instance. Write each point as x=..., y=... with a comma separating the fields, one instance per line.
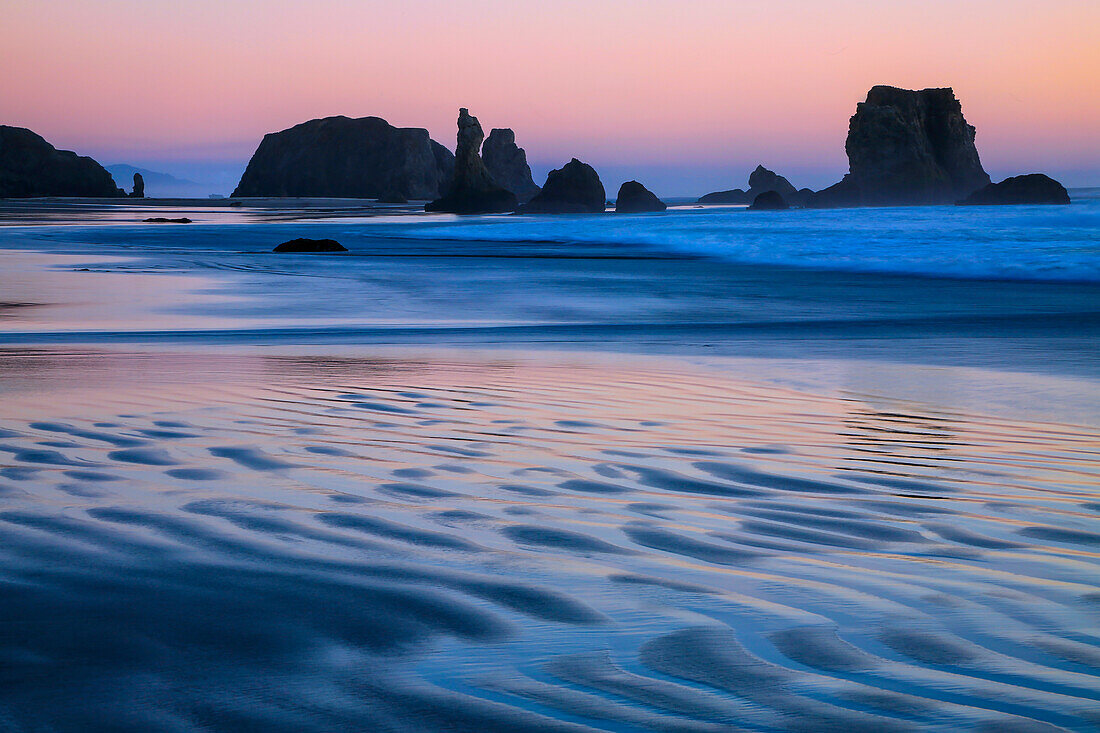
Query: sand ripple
x=486, y=545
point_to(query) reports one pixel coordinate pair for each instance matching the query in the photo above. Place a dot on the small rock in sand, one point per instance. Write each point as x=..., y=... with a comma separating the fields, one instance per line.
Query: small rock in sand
x=311, y=245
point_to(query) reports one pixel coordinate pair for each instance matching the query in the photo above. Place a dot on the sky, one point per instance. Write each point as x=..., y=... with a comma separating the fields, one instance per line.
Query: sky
x=686, y=95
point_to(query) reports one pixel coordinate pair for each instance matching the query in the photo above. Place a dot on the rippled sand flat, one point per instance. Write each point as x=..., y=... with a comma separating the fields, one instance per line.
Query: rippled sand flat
x=504, y=473
x=216, y=539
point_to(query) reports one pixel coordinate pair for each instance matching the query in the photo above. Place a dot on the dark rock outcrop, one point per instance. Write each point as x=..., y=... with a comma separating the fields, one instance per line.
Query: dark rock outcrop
x=347, y=158
x=311, y=246
x=507, y=163
x=840, y=194
x=165, y=220
x=760, y=181
x=634, y=198
x=392, y=198
x=800, y=197
x=1033, y=188
x=31, y=167
x=574, y=188
x=769, y=201
x=734, y=196
x=472, y=189
x=139, y=187
x=907, y=147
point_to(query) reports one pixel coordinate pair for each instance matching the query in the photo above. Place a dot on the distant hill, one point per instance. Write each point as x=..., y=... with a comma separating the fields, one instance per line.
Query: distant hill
x=157, y=185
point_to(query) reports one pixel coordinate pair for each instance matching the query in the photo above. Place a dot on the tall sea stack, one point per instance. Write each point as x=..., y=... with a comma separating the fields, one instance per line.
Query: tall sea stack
x=472, y=190
x=348, y=158
x=31, y=167
x=907, y=147
x=139, y=186
x=507, y=163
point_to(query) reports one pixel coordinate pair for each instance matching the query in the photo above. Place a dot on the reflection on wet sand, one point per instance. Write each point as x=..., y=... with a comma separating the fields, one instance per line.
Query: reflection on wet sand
x=223, y=541
x=20, y=212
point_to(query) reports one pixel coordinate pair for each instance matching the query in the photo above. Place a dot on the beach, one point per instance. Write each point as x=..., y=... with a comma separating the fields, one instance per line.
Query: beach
x=793, y=471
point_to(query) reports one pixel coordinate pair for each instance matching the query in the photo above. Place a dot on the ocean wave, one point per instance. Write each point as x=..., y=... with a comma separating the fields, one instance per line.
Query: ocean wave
x=1013, y=242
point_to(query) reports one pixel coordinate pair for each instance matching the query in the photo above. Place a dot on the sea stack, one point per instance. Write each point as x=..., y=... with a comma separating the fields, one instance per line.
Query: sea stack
x=31, y=167
x=348, y=158
x=907, y=147
x=769, y=201
x=732, y=196
x=472, y=189
x=575, y=188
x=761, y=180
x=507, y=164
x=1033, y=188
x=139, y=187
x=635, y=198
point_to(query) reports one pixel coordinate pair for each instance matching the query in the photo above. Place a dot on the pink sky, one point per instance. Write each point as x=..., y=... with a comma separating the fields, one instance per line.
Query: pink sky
x=702, y=88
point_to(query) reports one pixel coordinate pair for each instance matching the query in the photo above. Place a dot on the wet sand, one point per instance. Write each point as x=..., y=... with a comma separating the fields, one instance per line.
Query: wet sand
x=225, y=505
x=489, y=543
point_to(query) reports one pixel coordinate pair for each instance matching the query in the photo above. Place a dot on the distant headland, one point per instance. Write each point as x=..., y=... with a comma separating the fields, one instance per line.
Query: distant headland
x=30, y=168
x=904, y=148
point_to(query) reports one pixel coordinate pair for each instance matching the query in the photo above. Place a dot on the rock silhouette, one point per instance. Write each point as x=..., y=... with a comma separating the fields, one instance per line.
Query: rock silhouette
x=634, y=197
x=30, y=167
x=507, y=163
x=347, y=158
x=1033, y=188
x=392, y=198
x=472, y=189
x=575, y=188
x=139, y=187
x=801, y=197
x=311, y=246
x=769, y=201
x=907, y=147
x=760, y=181
x=159, y=185
x=733, y=196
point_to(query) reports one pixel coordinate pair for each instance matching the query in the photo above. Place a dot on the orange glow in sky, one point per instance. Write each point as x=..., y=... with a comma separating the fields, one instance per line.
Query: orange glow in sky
x=675, y=89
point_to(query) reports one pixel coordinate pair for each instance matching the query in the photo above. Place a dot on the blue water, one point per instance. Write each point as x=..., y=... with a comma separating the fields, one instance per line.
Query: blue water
x=1016, y=242
x=1038, y=243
